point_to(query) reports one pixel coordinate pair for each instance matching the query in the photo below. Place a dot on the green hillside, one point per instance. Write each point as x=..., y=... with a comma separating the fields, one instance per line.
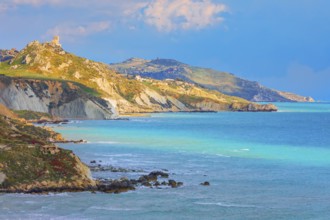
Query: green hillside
x=223, y=82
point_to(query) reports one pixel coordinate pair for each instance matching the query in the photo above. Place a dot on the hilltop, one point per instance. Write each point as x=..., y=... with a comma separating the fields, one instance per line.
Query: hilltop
x=44, y=77
x=223, y=82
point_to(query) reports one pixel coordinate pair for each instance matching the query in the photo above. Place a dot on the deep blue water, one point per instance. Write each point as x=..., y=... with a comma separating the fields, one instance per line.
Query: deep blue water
x=260, y=166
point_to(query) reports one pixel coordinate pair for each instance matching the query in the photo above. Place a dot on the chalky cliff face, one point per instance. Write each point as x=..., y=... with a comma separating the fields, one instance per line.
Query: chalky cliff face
x=74, y=87
x=59, y=98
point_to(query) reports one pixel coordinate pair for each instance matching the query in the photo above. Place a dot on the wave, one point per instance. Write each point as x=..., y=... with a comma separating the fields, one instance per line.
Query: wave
x=22, y=195
x=227, y=205
x=222, y=155
x=112, y=208
x=241, y=150
x=116, y=155
x=104, y=142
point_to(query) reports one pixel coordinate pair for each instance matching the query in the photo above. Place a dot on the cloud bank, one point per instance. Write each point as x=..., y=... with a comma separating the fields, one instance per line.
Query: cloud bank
x=169, y=15
x=164, y=15
x=36, y=2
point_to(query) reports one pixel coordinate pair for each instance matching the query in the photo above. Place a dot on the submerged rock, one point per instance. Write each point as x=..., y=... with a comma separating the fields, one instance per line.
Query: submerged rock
x=159, y=173
x=102, y=168
x=206, y=183
x=115, y=186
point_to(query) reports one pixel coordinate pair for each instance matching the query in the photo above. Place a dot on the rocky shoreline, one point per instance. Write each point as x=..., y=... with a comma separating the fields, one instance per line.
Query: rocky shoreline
x=31, y=163
x=155, y=179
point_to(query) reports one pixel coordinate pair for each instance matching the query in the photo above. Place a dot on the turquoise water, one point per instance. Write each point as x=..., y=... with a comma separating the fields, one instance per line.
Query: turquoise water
x=260, y=166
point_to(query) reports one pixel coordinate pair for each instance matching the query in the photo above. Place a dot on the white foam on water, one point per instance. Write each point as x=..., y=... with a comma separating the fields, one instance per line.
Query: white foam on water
x=112, y=208
x=226, y=205
x=22, y=195
x=222, y=155
x=116, y=155
x=241, y=150
x=142, y=120
x=104, y=142
x=30, y=202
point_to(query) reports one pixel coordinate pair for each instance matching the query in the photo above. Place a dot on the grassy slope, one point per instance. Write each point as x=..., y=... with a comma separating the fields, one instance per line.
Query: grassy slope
x=31, y=115
x=212, y=79
x=41, y=55
x=203, y=76
x=24, y=160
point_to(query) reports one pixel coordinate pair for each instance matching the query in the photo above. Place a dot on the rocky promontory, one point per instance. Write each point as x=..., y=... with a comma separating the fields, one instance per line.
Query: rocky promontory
x=29, y=161
x=224, y=82
x=43, y=77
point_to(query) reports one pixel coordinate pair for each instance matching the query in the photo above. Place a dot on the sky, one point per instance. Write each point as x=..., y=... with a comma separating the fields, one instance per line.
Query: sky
x=283, y=44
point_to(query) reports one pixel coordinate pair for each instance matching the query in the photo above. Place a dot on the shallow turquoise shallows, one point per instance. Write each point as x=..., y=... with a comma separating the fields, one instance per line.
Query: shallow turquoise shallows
x=260, y=166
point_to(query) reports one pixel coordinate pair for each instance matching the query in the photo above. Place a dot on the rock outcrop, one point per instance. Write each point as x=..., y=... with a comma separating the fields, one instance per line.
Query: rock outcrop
x=7, y=55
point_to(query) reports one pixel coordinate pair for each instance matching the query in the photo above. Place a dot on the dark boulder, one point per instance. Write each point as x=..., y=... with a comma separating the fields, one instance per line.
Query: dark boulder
x=206, y=183
x=172, y=183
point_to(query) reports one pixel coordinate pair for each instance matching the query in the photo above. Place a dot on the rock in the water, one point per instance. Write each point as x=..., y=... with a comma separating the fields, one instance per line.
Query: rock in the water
x=206, y=183
x=172, y=183
x=159, y=173
x=116, y=186
x=147, y=184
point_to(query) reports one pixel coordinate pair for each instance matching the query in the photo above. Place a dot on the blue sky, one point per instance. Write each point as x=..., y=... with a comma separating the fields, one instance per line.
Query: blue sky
x=283, y=44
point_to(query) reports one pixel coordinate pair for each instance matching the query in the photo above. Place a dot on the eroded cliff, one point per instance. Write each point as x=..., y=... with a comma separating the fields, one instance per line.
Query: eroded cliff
x=59, y=98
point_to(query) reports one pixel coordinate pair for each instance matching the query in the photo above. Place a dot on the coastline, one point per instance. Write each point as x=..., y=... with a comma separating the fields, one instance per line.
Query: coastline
x=64, y=173
x=47, y=147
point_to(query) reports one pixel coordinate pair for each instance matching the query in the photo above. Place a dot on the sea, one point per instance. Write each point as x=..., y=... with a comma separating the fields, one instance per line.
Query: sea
x=260, y=165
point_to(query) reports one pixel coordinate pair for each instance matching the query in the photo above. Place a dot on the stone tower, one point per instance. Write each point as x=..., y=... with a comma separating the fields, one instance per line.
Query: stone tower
x=56, y=41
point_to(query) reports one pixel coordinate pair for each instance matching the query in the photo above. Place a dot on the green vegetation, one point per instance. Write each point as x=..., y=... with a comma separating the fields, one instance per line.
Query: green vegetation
x=25, y=165
x=15, y=133
x=190, y=99
x=26, y=155
x=30, y=115
x=88, y=90
x=223, y=82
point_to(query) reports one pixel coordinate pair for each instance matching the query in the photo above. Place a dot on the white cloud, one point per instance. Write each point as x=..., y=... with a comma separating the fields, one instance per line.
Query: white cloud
x=70, y=31
x=128, y=5
x=169, y=15
x=36, y=2
x=165, y=15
